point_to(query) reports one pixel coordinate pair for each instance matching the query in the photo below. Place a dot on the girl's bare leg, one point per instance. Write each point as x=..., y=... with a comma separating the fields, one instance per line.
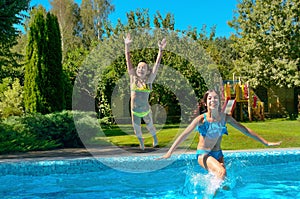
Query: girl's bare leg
x=136, y=123
x=150, y=126
x=214, y=166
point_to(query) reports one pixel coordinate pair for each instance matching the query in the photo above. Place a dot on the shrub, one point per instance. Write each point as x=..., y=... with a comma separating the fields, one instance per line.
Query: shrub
x=65, y=131
x=12, y=140
x=41, y=132
x=11, y=98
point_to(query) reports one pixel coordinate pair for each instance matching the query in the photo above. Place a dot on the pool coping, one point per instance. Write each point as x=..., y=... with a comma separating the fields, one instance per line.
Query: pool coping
x=107, y=151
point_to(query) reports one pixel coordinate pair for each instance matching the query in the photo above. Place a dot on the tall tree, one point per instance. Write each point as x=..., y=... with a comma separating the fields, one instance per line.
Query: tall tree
x=67, y=13
x=10, y=15
x=43, y=71
x=93, y=15
x=223, y=55
x=35, y=62
x=268, y=41
x=54, y=89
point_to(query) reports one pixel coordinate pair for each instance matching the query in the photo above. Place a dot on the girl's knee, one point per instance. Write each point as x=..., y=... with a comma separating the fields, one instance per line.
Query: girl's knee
x=137, y=130
x=221, y=172
x=150, y=127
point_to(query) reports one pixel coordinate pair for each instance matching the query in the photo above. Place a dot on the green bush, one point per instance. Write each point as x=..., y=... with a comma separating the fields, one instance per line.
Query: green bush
x=11, y=98
x=70, y=134
x=87, y=125
x=12, y=140
x=42, y=132
x=62, y=129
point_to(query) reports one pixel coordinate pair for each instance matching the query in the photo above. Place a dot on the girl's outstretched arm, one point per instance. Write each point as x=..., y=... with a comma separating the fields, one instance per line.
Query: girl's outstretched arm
x=161, y=46
x=127, y=42
x=249, y=132
x=182, y=136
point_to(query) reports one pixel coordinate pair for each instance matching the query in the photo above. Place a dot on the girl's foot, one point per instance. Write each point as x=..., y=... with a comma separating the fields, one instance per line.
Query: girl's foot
x=142, y=146
x=155, y=142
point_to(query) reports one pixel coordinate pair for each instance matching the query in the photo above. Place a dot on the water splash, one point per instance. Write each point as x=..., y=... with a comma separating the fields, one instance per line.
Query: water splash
x=205, y=185
x=200, y=185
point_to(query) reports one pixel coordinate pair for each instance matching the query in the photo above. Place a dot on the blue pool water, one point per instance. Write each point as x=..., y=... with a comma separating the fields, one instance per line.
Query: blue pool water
x=269, y=174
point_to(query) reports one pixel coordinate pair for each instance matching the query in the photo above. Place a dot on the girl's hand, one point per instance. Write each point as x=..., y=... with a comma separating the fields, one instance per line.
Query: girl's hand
x=162, y=44
x=273, y=143
x=166, y=156
x=127, y=40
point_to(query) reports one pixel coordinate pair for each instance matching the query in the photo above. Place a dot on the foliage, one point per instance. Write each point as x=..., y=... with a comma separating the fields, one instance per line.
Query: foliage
x=17, y=136
x=93, y=14
x=71, y=64
x=73, y=53
x=10, y=15
x=69, y=132
x=14, y=68
x=186, y=68
x=53, y=74
x=170, y=85
x=80, y=28
x=14, y=140
x=42, y=132
x=43, y=87
x=222, y=54
x=11, y=99
x=34, y=51
x=267, y=40
x=68, y=16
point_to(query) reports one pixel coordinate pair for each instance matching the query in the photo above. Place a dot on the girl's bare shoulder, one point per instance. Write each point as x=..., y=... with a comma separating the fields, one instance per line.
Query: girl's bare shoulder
x=199, y=119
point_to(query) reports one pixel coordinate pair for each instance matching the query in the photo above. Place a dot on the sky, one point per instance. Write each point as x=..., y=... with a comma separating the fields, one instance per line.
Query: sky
x=187, y=13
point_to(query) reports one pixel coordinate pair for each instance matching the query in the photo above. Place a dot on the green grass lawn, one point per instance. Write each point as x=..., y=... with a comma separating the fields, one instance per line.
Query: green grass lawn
x=287, y=131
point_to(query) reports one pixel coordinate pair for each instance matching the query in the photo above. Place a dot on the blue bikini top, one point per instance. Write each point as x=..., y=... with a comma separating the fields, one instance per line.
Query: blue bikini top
x=212, y=129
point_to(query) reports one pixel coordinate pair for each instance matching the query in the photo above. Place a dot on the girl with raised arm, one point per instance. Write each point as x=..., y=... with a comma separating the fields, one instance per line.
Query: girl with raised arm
x=141, y=80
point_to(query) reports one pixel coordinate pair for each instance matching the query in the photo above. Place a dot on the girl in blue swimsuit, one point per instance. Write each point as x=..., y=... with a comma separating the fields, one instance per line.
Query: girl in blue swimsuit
x=211, y=127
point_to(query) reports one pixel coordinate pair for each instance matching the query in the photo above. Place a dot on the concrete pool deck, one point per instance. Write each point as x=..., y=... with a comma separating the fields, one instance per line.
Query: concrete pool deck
x=71, y=153
x=103, y=151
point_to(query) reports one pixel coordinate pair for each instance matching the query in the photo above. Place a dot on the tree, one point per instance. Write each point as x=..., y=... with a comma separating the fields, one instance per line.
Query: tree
x=10, y=15
x=222, y=54
x=268, y=38
x=93, y=15
x=43, y=72
x=54, y=89
x=166, y=23
x=67, y=13
x=35, y=62
x=181, y=80
x=72, y=62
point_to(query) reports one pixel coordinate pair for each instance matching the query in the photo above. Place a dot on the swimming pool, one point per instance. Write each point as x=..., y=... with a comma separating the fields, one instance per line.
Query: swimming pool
x=256, y=174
